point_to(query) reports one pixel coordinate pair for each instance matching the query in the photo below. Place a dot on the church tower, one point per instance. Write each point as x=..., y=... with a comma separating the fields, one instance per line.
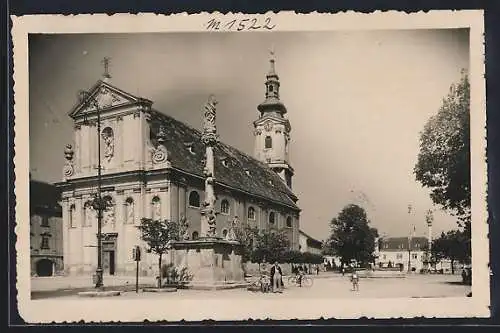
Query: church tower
x=272, y=129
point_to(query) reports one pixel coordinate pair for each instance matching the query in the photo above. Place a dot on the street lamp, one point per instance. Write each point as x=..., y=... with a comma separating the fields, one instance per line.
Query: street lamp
x=98, y=203
x=429, y=219
x=409, y=241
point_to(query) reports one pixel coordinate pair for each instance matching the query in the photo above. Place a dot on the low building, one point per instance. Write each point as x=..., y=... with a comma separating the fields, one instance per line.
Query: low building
x=309, y=244
x=46, y=243
x=393, y=252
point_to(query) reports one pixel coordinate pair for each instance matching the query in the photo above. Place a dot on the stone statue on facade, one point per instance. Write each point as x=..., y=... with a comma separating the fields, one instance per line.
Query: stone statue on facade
x=183, y=228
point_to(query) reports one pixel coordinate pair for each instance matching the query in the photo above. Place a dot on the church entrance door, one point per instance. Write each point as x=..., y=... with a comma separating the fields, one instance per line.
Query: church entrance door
x=109, y=254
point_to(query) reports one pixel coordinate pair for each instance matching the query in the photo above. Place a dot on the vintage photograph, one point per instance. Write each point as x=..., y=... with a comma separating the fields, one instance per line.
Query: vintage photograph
x=262, y=166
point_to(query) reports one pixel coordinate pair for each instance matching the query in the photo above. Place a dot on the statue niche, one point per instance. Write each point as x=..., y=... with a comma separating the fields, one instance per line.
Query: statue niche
x=109, y=144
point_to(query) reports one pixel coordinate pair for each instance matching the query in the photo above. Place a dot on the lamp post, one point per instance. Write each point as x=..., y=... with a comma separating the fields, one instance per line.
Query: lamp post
x=98, y=203
x=409, y=241
x=429, y=219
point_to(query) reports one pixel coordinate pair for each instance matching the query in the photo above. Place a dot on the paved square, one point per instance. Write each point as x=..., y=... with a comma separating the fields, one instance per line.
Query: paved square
x=335, y=286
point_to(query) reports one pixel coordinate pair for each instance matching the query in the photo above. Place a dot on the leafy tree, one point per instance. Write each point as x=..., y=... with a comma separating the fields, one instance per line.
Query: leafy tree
x=443, y=163
x=351, y=236
x=247, y=236
x=270, y=246
x=158, y=234
x=453, y=245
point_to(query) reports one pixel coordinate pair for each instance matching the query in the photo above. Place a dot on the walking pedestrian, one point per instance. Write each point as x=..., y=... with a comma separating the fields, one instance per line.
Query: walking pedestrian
x=276, y=278
x=355, y=280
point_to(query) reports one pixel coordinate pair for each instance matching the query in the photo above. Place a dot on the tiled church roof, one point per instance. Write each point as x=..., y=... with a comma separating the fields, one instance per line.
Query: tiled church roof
x=232, y=167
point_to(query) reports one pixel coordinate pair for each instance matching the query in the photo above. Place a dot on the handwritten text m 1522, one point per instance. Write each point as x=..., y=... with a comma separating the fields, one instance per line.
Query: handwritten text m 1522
x=240, y=24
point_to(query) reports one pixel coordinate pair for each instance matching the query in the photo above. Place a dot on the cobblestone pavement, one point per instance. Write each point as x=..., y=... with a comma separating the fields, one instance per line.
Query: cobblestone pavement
x=415, y=286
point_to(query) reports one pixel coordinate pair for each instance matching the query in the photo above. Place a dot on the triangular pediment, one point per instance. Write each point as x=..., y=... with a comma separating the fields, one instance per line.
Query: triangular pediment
x=106, y=97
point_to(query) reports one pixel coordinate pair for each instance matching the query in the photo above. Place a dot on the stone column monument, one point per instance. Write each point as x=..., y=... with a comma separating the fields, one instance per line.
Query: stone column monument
x=209, y=139
x=210, y=261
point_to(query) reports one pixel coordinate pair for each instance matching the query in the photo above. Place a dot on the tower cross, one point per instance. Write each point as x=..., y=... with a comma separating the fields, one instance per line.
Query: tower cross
x=105, y=63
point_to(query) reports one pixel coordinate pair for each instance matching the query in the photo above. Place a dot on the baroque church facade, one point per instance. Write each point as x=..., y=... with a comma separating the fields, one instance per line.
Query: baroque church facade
x=152, y=166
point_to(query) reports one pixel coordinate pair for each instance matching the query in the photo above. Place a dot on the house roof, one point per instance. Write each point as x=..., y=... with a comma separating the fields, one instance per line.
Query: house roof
x=312, y=242
x=233, y=168
x=401, y=243
x=44, y=196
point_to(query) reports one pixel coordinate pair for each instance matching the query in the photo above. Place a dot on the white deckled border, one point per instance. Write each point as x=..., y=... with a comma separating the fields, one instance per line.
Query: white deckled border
x=57, y=310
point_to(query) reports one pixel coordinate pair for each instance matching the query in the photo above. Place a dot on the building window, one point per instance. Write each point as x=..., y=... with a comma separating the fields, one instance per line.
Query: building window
x=45, y=221
x=415, y=256
x=194, y=236
x=224, y=233
x=194, y=199
x=251, y=213
x=45, y=243
x=224, y=207
x=271, y=88
x=271, y=217
x=289, y=222
x=269, y=142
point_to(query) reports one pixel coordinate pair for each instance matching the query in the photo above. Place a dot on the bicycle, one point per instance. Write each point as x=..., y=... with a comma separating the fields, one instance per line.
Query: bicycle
x=301, y=281
x=262, y=284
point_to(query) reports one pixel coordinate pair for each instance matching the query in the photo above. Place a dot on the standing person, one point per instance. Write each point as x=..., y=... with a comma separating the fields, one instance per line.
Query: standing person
x=276, y=277
x=355, y=279
x=317, y=269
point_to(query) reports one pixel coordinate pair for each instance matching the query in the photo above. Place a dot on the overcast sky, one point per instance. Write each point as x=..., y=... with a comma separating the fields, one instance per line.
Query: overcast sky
x=356, y=103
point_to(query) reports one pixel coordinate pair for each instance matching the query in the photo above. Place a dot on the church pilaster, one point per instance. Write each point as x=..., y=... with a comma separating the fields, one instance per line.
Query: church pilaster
x=66, y=240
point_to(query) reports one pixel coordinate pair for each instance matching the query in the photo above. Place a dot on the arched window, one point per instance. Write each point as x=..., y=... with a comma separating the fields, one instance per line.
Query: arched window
x=224, y=233
x=251, y=213
x=194, y=199
x=289, y=222
x=194, y=236
x=269, y=142
x=224, y=207
x=271, y=217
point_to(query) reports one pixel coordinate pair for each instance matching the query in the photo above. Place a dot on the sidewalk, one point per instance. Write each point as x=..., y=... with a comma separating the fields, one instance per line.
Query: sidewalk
x=58, y=283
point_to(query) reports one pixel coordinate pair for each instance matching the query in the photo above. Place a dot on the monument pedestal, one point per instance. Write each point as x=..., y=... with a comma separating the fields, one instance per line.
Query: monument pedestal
x=210, y=263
